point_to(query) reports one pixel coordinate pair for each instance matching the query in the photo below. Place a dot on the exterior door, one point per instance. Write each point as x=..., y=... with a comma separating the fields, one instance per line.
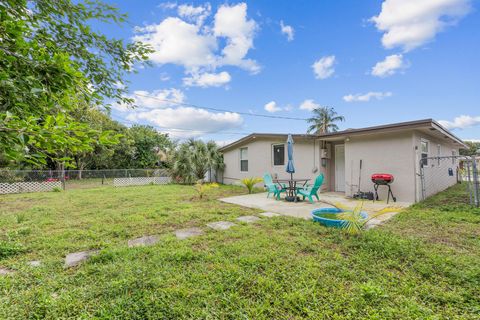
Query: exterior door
x=340, y=168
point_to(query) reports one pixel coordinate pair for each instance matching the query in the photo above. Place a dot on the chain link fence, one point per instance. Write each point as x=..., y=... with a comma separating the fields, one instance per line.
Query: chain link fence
x=21, y=181
x=439, y=173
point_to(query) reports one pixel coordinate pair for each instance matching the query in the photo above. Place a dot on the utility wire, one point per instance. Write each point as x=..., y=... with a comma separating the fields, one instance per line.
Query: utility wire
x=220, y=110
x=183, y=129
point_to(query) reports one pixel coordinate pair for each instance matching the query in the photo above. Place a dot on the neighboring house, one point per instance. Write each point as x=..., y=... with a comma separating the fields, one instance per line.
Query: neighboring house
x=394, y=148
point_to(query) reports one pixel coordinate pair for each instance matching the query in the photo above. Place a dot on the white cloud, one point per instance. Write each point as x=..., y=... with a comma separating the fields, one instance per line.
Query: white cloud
x=367, y=96
x=155, y=99
x=411, y=23
x=178, y=42
x=188, y=121
x=194, y=14
x=200, y=47
x=309, y=105
x=323, y=67
x=461, y=122
x=161, y=109
x=272, y=107
x=287, y=30
x=207, y=79
x=167, y=5
x=232, y=23
x=389, y=66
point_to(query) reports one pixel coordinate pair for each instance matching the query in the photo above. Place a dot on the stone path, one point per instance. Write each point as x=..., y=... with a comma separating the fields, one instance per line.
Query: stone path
x=34, y=263
x=5, y=271
x=74, y=259
x=221, y=225
x=248, y=219
x=269, y=214
x=188, y=233
x=143, y=241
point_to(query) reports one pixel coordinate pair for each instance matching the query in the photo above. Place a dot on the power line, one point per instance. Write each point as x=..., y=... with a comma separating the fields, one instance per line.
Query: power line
x=184, y=129
x=220, y=110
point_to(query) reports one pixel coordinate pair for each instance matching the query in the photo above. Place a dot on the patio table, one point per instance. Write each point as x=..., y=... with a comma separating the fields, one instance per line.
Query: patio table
x=292, y=187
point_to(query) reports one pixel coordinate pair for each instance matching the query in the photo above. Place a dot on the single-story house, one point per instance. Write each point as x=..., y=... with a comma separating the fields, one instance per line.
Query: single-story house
x=394, y=148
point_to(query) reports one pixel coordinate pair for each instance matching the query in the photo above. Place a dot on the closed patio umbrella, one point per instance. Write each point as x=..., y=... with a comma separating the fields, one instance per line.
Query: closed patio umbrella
x=290, y=167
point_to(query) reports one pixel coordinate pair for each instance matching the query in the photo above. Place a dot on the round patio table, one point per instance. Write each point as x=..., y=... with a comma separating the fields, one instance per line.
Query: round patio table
x=292, y=187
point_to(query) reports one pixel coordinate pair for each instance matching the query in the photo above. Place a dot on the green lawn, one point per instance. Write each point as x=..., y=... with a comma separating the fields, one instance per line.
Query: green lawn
x=423, y=264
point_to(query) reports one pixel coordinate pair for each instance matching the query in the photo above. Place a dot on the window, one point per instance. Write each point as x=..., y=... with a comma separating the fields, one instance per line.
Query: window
x=424, y=149
x=454, y=154
x=439, y=153
x=243, y=159
x=278, y=154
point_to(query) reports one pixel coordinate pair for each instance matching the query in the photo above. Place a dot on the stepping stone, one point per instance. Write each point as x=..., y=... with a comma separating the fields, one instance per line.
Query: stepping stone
x=187, y=233
x=34, y=263
x=74, y=259
x=248, y=219
x=5, y=272
x=143, y=241
x=221, y=225
x=269, y=214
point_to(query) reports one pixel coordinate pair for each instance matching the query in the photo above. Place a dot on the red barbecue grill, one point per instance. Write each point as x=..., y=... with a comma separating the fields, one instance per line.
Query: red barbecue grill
x=383, y=179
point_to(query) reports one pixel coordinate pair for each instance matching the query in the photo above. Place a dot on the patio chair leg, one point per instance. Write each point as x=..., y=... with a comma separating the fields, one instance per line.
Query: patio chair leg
x=268, y=194
x=310, y=199
x=316, y=196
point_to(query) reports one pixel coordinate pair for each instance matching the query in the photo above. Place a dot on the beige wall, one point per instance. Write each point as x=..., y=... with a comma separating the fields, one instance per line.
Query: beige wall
x=436, y=172
x=386, y=153
x=394, y=153
x=260, y=161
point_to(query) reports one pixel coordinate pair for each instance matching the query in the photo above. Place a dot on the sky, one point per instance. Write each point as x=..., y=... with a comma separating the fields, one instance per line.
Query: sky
x=374, y=62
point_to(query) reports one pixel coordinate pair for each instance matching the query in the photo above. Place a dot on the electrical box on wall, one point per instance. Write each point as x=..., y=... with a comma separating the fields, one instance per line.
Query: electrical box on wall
x=324, y=154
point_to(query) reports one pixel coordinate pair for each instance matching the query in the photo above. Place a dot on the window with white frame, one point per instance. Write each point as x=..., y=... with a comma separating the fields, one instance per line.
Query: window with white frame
x=424, y=146
x=243, y=159
x=278, y=154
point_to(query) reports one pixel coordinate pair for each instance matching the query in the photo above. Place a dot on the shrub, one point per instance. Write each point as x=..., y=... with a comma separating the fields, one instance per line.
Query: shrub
x=251, y=182
x=203, y=188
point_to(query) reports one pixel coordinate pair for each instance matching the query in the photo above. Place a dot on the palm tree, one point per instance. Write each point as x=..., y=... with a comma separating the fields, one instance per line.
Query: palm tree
x=214, y=159
x=323, y=120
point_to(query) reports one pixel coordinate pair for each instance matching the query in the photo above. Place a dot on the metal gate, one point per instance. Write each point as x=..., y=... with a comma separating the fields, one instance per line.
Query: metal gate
x=439, y=173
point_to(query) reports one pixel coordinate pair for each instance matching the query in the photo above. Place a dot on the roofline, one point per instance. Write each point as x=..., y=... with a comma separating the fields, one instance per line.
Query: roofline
x=398, y=126
x=265, y=135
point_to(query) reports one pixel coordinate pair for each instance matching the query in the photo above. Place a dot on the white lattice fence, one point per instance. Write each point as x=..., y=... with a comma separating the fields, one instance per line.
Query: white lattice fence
x=31, y=186
x=140, y=181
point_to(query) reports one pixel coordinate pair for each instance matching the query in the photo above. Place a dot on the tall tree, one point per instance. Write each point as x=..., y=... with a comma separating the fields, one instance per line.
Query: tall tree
x=51, y=61
x=324, y=120
x=149, y=145
x=193, y=159
x=473, y=148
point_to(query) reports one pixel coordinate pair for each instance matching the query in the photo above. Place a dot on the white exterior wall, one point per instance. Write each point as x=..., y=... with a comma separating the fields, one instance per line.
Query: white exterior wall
x=260, y=161
x=387, y=153
x=436, y=172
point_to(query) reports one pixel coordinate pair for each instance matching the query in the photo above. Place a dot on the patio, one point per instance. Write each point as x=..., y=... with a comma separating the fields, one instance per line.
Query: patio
x=303, y=209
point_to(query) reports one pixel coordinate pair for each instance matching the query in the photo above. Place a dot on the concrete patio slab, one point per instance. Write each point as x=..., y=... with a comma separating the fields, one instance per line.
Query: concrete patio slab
x=221, y=225
x=188, y=233
x=248, y=219
x=303, y=209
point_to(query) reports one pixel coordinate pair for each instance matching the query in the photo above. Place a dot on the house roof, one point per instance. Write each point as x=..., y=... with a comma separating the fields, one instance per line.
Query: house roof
x=429, y=124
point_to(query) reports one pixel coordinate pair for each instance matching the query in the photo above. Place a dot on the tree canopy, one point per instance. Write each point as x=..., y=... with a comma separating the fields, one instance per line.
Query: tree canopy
x=52, y=63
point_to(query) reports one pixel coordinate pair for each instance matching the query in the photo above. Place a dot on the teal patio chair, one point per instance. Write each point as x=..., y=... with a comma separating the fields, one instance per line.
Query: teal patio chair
x=312, y=191
x=272, y=187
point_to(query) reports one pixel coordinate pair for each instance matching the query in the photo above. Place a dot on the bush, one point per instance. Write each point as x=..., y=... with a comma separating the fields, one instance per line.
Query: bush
x=250, y=183
x=203, y=188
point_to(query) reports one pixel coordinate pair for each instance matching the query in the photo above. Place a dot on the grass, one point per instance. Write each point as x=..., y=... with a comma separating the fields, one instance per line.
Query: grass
x=424, y=264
